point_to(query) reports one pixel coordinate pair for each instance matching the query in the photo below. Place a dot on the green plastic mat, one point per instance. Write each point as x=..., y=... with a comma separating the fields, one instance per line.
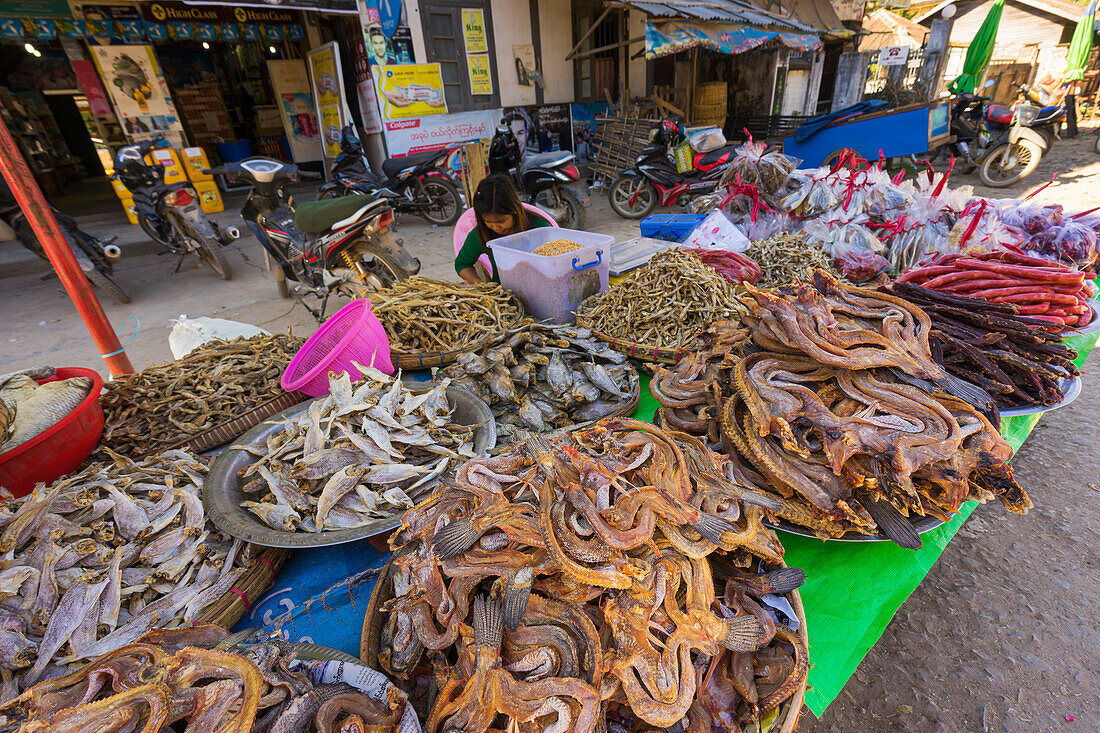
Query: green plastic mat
x=853, y=589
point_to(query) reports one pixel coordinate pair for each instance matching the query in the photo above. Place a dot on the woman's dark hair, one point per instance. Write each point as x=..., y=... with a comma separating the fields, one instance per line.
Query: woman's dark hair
x=496, y=195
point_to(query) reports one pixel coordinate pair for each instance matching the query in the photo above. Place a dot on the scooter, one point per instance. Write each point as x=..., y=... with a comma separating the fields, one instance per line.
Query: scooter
x=343, y=246
x=170, y=213
x=550, y=181
x=1050, y=117
x=654, y=180
x=96, y=257
x=415, y=184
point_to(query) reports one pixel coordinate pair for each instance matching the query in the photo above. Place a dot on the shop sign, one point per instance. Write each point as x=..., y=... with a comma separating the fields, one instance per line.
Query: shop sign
x=45, y=30
x=328, y=91
x=35, y=8
x=290, y=81
x=893, y=56
x=473, y=30
x=409, y=90
x=163, y=12
x=321, y=6
x=404, y=137
x=73, y=28
x=139, y=91
x=481, y=79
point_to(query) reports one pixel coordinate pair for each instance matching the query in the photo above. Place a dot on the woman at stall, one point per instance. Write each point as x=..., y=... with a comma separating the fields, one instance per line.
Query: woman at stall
x=498, y=212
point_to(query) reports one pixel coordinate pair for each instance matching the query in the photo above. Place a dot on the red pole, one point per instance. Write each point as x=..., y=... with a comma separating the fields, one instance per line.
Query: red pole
x=41, y=218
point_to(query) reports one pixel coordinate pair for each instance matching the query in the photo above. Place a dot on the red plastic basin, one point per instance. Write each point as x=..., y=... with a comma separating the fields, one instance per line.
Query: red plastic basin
x=59, y=450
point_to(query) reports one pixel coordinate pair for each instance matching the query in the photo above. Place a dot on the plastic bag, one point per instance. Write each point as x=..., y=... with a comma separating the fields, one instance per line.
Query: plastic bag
x=1072, y=243
x=766, y=170
x=884, y=198
x=768, y=224
x=860, y=266
x=705, y=141
x=717, y=232
x=190, y=333
x=810, y=196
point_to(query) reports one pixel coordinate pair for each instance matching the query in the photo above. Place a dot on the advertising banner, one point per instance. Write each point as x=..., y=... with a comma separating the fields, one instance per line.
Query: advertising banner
x=328, y=91
x=364, y=86
x=90, y=86
x=409, y=90
x=473, y=31
x=139, y=91
x=481, y=79
x=290, y=81
x=431, y=133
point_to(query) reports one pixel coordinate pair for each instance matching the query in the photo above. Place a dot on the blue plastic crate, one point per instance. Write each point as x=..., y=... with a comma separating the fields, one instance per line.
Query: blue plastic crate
x=670, y=227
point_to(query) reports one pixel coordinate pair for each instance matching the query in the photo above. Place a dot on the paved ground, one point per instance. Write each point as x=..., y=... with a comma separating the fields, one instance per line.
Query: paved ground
x=1002, y=635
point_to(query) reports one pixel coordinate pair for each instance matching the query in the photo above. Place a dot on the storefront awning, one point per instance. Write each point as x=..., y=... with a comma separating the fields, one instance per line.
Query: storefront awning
x=676, y=36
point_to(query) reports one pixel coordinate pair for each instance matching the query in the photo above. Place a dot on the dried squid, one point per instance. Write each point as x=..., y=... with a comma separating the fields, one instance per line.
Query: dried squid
x=572, y=580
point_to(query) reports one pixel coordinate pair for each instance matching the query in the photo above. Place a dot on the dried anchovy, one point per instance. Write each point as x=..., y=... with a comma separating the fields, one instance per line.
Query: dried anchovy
x=785, y=258
x=163, y=405
x=106, y=554
x=556, y=247
x=665, y=303
x=425, y=315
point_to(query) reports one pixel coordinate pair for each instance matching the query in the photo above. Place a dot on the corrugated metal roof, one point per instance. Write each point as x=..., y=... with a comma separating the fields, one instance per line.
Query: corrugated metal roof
x=720, y=11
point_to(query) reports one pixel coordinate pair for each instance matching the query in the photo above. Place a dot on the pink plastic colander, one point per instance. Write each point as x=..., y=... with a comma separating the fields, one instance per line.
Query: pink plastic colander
x=352, y=334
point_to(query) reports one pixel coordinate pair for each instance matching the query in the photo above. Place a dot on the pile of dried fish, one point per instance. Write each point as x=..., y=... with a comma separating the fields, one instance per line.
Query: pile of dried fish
x=586, y=566
x=188, y=679
x=838, y=406
x=785, y=258
x=422, y=315
x=556, y=247
x=991, y=345
x=162, y=406
x=664, y=303
x=102, y=556
x=543, y=377
x=355, y=455
x=28, y=409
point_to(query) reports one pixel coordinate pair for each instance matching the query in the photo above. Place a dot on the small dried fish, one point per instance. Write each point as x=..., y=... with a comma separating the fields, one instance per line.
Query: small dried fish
x=784, y=258
x=350, y=458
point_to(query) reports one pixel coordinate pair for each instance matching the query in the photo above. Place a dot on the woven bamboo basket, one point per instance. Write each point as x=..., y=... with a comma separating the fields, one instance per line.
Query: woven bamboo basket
x=428, y=359
x=229, y=431
x=709, y=106
x=641, y=352
x=228, y=609
x=369, y=643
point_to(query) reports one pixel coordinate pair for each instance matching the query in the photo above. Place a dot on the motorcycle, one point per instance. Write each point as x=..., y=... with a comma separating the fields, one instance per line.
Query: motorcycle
x=1050, y=117
x=96, y=257
x=654, y=180
x=343, y=246
x=995, y=139
x=546, y=180
x=415, y=184
x=170, y=213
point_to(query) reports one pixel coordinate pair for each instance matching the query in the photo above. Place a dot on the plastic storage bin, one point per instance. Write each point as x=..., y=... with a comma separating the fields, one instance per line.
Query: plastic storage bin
x=551, y=288
x=670, y=227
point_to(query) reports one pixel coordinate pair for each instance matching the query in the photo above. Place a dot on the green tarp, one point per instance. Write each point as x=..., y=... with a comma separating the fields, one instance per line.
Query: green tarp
x=853, y=589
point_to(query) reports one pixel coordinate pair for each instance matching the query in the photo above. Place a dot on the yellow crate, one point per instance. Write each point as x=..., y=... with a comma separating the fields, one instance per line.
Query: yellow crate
x=170, y=159
x=195, y=162
x=210, y=198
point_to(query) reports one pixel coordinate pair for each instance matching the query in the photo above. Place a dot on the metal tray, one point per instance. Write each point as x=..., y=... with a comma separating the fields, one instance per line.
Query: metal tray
x=921, y=524
x=1092, y=326
x=1070, y=387
x=222, y=495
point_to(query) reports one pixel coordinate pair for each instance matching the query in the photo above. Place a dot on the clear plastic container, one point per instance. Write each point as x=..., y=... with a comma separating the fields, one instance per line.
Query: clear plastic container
x=552, y=288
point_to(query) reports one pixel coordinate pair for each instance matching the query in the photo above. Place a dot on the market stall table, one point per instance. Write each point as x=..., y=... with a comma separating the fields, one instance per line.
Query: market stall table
x=852, y=589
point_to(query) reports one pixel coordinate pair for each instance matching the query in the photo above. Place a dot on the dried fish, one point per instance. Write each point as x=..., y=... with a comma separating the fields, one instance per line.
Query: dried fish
x=555, y=379
x=664, y=303
x=334, y=466
x=425, y=315
x=164, y=405
x=28, y=409
x=785, y=258
x=104, y=554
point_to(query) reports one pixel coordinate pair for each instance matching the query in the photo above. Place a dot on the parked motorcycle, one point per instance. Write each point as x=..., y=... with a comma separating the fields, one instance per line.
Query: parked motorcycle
x=343, y=246
x=654, y=180
x=96, y=257
x=414, y=184
x=550, y=181
x=1050, y=117
x=995, y=139
x=170, y=213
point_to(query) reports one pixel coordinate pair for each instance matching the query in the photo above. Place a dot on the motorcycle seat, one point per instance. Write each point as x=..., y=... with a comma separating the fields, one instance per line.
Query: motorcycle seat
x=314, y=217
x=545, y=160
x=999, y=113
x=706, y=161
x=392, y=166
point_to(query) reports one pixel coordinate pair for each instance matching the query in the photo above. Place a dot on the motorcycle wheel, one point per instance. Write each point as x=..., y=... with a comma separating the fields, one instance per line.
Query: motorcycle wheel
x=1023, y=156
x=102, y=281
x=444, y=202
x=624, y=189
x=567, y=211
x=211, y=254
x=382, y=271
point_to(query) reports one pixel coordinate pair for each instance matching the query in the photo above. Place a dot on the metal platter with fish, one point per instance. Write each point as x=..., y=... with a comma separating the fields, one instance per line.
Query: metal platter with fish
x=232, y=509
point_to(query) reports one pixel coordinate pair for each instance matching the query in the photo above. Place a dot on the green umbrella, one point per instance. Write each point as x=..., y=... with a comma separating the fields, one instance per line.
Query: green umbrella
x=1078, y=55
x=980, y=51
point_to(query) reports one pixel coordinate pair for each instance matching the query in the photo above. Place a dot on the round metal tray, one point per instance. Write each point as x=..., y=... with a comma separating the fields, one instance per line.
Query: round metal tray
x=222, y=495
x=1071, y=388
x=921, y=524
